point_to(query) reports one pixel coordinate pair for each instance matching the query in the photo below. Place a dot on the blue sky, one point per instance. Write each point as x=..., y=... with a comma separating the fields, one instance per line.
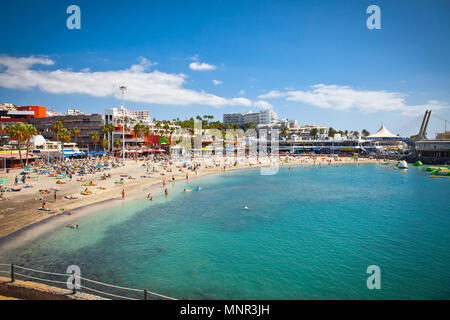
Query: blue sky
x=314, y=61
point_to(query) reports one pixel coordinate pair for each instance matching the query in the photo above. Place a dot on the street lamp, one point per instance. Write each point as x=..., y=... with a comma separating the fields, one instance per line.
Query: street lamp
x=122, y=109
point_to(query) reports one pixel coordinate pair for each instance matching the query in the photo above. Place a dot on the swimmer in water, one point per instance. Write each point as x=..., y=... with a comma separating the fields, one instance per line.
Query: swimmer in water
x=245, y=208
x=149, y=196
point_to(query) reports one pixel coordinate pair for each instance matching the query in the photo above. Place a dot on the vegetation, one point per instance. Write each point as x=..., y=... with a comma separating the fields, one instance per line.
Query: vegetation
x=17, y=132
x=95, y=138
x=105, y=143
x=117, y=142
x=64, y=136
x=29, y=131
x=57, y=126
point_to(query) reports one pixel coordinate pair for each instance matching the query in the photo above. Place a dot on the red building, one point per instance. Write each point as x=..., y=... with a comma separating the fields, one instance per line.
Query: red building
x=22, y=114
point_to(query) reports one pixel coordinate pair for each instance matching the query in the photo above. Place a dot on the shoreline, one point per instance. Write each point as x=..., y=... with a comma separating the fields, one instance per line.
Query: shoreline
x=27, y=232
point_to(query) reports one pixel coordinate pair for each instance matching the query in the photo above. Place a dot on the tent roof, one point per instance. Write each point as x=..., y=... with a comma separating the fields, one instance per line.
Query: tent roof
x=383, y=133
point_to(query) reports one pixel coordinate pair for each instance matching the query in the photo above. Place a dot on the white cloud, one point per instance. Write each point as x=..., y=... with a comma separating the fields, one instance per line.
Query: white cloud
x=272, y=94
x=217, y=82
x=345, y=98
x=143, y=85
x=201, y=66
x=262, y=104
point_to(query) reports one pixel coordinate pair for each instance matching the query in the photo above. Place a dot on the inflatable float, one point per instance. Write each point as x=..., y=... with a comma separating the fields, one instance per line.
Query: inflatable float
x=402, y=164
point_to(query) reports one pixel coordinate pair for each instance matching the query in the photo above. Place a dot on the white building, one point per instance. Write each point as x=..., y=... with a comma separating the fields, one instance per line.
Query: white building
x=232, y=118
x=114, y=115
x=264, y=117
x=250, y=117
x=74, y=112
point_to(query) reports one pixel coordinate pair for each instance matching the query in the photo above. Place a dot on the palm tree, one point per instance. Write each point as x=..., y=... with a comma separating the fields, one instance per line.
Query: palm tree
x=146, y=132
x=95, y=137
x=17, y=132
x=111, y=128
x=158, y=125
x=29, y=131
x=105, y=144
x=117, y=142
x=285, y=132
x=138, y=128
x=64, y=135
x=166, y=128
x=57, y=126
x=76, y=132
x=105, y=130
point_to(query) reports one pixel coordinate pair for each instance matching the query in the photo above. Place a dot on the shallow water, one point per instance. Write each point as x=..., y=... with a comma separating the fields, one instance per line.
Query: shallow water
x=308, y=234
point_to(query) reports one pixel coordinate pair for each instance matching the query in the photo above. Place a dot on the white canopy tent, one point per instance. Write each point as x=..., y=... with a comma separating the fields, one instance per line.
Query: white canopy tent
x=383, y=133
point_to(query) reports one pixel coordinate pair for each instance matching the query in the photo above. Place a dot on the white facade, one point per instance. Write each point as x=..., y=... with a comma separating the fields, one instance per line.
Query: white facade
x=232, y=118
x=74, y=112
x=250, y=117
x=114, y=115
x=267, y=116
x=264, y=117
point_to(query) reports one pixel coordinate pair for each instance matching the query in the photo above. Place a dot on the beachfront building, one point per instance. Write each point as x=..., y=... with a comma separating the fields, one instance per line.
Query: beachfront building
x=233, y=118
x=87, y=123
x=10, y=114
x=115, y=115
x=437, y=148
x=267, y=117
x=141, y=143
x=386, y=140
x=330, y=145
x=305, y=132
x=75, y=112
x=264, y=117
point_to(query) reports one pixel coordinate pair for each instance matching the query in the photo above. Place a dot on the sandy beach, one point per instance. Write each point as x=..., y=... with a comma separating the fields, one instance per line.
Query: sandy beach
x=21, y=209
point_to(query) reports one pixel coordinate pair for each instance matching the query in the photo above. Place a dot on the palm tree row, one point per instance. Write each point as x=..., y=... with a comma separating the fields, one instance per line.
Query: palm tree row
x=22, y=133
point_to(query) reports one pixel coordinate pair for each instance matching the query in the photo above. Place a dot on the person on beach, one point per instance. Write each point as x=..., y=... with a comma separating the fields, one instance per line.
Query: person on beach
x=123, y=194
x=166, y=192
x=173, y=178
x=16, y=181
x=149, y=196
x=54, y=196
x=164, y=182
x=187, y=176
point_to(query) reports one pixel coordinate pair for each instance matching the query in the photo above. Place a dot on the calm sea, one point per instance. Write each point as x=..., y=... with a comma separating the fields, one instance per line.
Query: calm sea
x=308, y=234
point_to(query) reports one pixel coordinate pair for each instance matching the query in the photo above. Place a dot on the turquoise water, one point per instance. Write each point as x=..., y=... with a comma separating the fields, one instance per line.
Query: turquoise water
x=309, y=234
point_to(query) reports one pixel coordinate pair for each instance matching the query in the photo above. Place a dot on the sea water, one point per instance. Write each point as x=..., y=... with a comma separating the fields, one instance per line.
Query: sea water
x=308, y=233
